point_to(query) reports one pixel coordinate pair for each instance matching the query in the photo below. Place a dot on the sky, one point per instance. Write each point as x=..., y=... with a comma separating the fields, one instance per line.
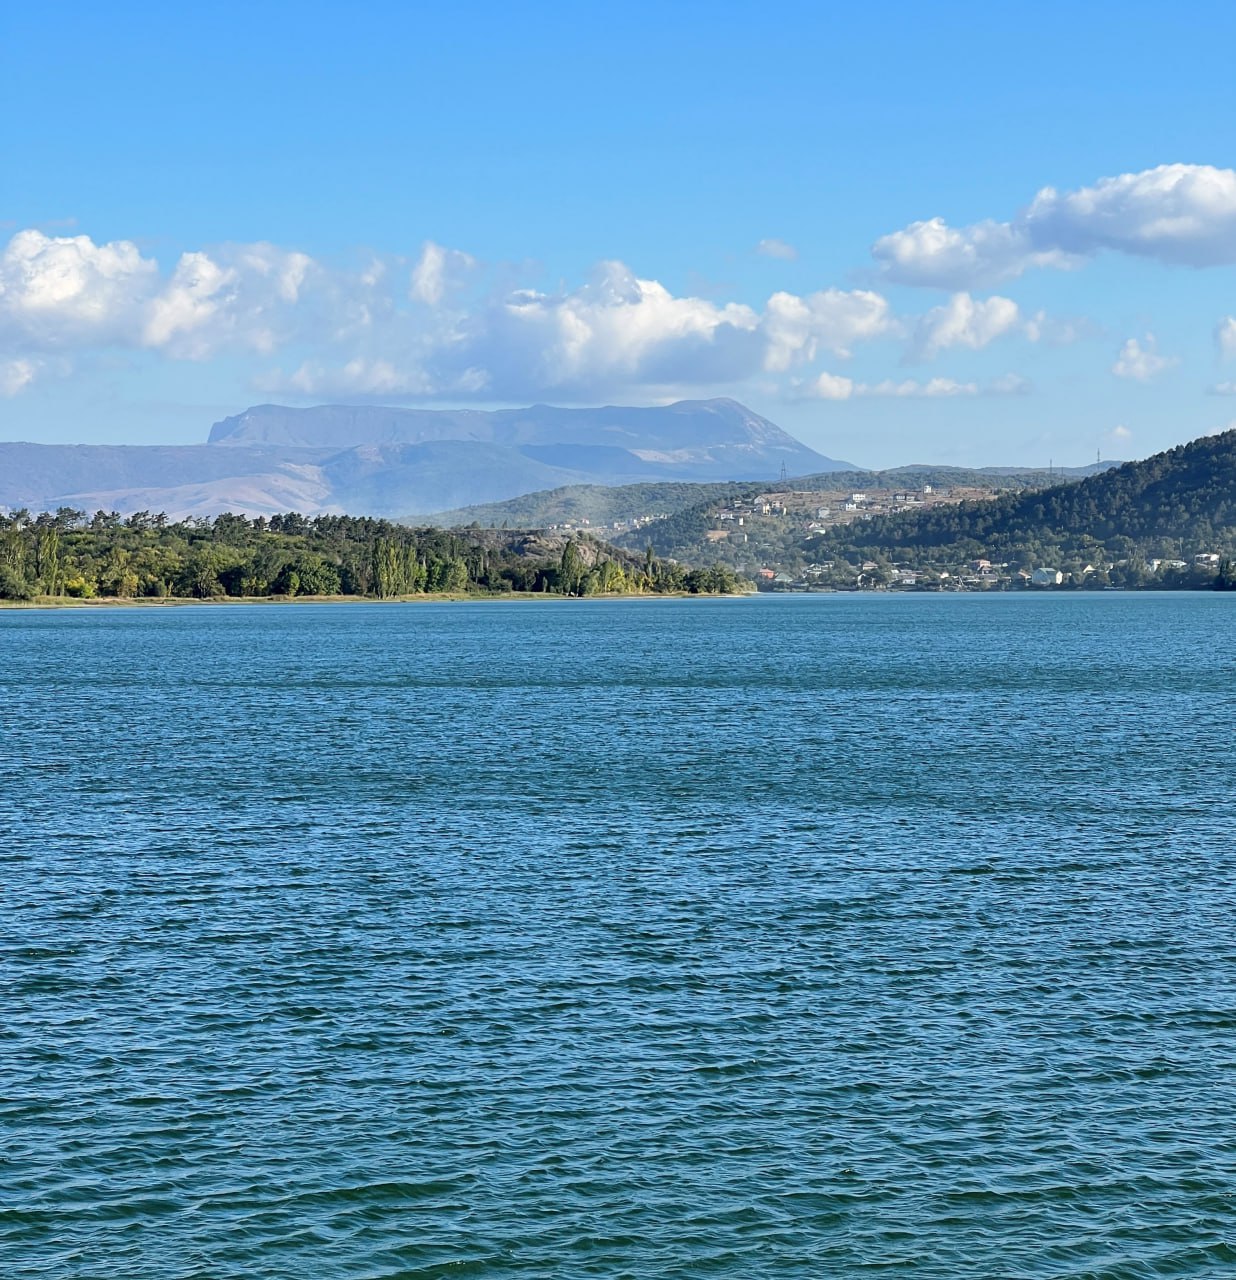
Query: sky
x=958, y=233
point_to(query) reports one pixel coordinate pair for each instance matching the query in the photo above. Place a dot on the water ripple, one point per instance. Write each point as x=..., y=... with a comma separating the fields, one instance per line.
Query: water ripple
x=673, y=939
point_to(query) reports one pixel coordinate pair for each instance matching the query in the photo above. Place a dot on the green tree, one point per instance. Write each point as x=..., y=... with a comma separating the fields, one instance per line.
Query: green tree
x=571, y=570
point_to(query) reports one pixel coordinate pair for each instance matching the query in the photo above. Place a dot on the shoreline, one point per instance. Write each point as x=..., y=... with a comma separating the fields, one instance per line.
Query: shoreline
x=441, y=597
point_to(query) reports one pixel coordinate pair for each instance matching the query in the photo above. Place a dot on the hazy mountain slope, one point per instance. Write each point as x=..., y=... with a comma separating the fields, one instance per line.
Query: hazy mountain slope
x=179, y=479
x=404, y=480
x=693, y=438
x=370, y=460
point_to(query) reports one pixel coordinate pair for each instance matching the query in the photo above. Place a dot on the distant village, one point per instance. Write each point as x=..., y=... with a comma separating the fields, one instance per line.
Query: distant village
x=769, y=536
x=975, y=575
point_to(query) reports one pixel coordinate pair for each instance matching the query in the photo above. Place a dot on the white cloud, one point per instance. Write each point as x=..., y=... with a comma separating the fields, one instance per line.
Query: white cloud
x=798, y=328
x=964, y=321
x=1118, y=435
x=1222, y=389
x=1225, y=337
x=15, y=376
x=193, y=298
x=1183, y=213
x=617, y=331
x=1141, y=362
x=933, y=253
x=825, y=386
x=65, y=290
x=66, y=293
x=828, y=386
x=355, y=332
x=932, y=389
x=1057, y=331
x=437, y=271
x=1175, y=213
x=774, y=248
x=254, y=297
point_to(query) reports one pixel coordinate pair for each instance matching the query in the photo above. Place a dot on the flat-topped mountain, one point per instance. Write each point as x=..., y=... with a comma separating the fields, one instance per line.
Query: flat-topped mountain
x=720, y=437
x=392, y=462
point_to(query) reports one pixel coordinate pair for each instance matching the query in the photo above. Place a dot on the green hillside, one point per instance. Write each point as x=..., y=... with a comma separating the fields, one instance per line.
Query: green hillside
x=595, y=504
x=602, y=505
x=1177, y=504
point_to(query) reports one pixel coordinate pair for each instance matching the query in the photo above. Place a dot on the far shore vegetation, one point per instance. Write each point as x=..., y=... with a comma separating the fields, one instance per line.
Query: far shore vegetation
x=68, y=556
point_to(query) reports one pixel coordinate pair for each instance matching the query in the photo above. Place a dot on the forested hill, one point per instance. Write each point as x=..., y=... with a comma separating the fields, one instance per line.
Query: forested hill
x=1182, y=502
x=69, y=554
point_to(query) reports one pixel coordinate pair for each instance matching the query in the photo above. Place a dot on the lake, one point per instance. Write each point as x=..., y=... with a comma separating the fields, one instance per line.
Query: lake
x=791, y=936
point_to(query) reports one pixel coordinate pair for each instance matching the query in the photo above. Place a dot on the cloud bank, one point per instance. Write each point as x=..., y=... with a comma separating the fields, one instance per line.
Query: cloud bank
x=1175, y=213
x=830, y=386
x=430, y=326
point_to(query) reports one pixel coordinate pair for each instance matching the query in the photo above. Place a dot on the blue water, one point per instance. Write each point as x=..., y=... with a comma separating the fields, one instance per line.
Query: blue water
x=788, y=937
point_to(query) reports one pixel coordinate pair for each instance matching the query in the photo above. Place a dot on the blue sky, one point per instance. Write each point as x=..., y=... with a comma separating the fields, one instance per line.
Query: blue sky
x=837, y=214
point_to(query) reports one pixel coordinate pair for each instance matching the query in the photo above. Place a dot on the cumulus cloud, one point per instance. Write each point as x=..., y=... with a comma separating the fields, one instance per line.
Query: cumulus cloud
x=829, y=386
x=825, y=386
x=774, y=248
x=799, y=328
x=1175, y=213
x=1222, y=389
x=1120, y=435
x=933, y=253
x=437, y=271
x=58, y=291
x=1225, y=337
x=64, y=293
x=1141, y=361
x=964, y=321
x=394, y=328
x=245, y=296
x=617, y=330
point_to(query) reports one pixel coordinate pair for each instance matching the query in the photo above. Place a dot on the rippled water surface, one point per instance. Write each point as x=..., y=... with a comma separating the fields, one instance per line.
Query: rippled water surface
x=779, y=937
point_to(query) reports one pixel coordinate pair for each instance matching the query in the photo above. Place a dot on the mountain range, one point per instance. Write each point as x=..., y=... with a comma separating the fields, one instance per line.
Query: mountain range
x=391, y=462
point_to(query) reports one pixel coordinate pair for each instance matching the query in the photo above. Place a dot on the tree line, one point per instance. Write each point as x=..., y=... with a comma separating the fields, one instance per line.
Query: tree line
x=68, y=554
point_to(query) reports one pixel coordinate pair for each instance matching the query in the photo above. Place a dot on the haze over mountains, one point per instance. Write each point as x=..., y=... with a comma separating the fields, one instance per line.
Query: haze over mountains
x=372, y=460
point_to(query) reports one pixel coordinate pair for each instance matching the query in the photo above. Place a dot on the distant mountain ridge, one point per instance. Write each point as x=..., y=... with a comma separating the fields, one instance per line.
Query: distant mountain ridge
x=603, y=504
x=394, y=462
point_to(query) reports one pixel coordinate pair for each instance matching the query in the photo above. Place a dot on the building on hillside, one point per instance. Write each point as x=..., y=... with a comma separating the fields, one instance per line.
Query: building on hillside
x=1047, y=577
